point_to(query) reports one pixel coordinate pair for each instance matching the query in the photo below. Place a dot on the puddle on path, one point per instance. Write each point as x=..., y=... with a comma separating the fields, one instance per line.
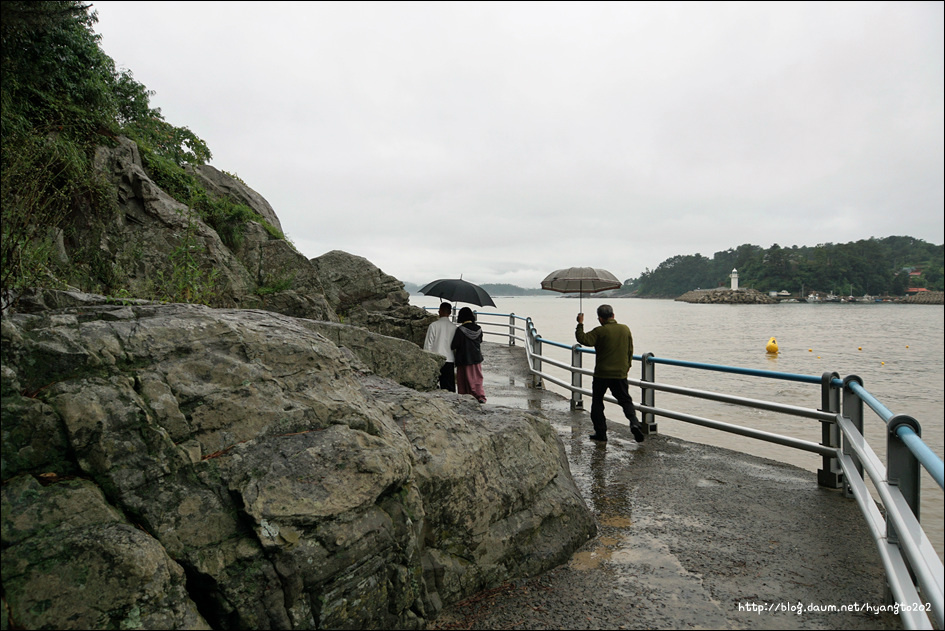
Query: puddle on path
x=619, y=521
x=646, y=570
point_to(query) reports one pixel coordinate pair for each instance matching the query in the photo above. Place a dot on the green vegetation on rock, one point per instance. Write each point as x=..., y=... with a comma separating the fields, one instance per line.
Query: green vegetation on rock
x=62, y=99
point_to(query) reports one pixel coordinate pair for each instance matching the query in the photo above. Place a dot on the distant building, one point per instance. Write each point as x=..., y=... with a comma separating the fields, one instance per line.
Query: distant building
x=734, y=279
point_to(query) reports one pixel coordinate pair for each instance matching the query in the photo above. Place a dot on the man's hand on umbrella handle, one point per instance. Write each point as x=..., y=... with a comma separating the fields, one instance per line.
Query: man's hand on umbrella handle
x=580, y=318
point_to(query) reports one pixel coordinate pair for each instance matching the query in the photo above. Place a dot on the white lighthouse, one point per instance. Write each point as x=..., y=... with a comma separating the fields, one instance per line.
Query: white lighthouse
x=734, y=279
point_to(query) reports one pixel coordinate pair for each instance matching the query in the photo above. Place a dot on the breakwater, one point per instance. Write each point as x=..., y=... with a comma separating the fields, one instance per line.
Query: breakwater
x=727, y=296
x=755, y=297
x=926, y=298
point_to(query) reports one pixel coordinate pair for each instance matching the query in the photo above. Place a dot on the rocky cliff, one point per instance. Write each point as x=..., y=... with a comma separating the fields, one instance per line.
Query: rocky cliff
x=150, y=245
x=177, y=466
x=277, y=461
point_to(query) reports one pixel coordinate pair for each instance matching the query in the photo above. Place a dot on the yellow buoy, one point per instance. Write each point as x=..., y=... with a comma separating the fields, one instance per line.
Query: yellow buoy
x=772, y=346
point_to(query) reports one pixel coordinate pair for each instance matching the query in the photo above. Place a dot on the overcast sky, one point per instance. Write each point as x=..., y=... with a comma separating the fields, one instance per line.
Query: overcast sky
x=502, y=141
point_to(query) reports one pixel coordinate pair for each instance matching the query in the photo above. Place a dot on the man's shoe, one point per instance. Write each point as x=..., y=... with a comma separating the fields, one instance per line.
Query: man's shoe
x=637, y=433
x=598, y=438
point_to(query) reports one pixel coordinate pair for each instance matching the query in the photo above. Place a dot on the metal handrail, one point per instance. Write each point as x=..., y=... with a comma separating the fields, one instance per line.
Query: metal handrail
x=913, y=569
x=932, y=463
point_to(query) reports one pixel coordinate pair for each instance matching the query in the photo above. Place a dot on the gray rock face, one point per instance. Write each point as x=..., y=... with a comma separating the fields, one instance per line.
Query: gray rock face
x=362, y=294
x=353, y=281
x=284, y=280
x=224, y=185
x=69, y=526
x=142, y=244
x=245, y=469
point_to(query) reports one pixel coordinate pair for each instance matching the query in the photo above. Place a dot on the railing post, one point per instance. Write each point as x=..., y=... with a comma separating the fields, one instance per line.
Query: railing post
x=831, y=475
x=902, y=467
x=853, y=410
x=648, y=395
x=532, y=334
x=577, y=399
x=511, y=329
x=902, y=470
x=536, y=376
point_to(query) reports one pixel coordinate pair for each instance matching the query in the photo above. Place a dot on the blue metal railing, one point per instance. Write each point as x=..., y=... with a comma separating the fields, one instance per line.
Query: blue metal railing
x=913, y=570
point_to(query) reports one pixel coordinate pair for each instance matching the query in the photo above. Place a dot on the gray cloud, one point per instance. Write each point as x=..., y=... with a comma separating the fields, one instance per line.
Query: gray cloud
x=502, y=141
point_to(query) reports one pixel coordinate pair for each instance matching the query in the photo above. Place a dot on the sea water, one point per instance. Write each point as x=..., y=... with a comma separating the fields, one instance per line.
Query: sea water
x=895, y=349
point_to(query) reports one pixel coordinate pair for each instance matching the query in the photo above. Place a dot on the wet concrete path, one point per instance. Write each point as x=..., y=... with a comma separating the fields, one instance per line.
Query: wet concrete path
x=690, y=536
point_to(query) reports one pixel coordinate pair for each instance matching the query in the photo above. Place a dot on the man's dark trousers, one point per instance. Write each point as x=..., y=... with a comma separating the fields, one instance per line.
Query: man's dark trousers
x=448, y=377
x=620, y=389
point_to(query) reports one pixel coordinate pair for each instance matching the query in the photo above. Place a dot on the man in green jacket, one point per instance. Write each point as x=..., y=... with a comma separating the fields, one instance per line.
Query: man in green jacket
x=613, y=344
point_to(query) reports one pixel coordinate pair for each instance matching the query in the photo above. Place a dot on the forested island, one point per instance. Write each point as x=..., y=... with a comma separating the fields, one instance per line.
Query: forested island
x=887, y=266
x=890, y=266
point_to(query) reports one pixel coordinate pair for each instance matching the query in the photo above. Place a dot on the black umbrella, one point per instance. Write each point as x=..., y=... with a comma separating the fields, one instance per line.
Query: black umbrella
x=458, y=290
x=580, y=280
